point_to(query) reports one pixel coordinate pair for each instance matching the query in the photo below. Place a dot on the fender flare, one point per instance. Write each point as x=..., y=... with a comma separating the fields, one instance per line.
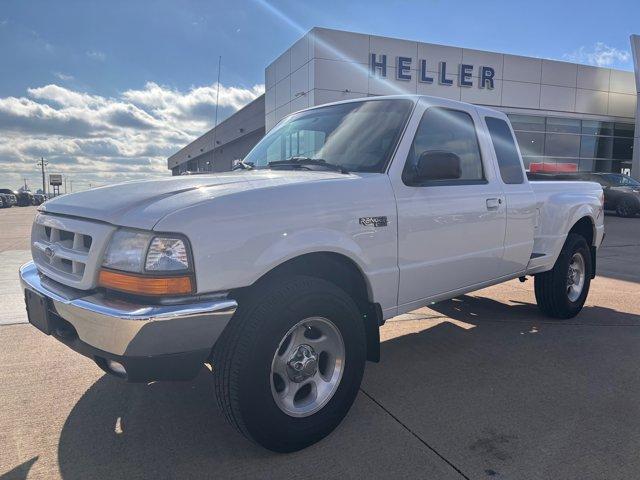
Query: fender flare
x=312, y=241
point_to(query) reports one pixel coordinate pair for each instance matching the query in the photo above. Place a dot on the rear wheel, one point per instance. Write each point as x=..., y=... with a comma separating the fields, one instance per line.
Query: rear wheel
x=625, y=208
x=562, y=291
x=2, y=203
x=289, y=365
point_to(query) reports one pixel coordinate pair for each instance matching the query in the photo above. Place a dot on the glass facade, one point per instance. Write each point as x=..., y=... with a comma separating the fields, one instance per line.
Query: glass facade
x=557, y=144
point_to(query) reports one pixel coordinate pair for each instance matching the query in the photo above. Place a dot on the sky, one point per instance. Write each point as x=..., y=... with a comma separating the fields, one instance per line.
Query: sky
x=105, y=91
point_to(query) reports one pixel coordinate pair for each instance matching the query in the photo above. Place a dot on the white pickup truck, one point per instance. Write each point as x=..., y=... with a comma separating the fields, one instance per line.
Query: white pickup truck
x=279, y=274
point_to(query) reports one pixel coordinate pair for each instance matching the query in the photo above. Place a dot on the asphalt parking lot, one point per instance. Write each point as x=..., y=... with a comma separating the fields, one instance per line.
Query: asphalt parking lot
x=481, y=386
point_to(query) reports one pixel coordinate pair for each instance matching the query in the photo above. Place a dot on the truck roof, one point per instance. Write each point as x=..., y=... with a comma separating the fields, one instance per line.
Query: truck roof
x=438, y=101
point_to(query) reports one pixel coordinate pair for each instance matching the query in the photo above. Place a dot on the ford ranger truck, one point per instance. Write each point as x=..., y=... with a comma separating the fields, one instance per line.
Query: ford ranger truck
x=279, y=274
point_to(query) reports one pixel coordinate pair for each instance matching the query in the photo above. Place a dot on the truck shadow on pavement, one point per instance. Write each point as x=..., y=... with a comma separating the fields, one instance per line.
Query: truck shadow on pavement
x=174, y=430
x=474, y=309
x=159, y=430
x=516, y=394
x=493, y=398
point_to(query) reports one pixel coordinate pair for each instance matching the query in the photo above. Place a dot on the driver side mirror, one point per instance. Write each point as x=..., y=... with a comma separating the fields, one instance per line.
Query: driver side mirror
x=437, y=165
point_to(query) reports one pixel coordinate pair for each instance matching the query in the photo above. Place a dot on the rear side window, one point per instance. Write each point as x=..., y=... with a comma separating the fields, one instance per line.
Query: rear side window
x=506, y=151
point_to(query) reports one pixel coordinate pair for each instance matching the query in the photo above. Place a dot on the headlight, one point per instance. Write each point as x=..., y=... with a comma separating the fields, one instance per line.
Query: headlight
x=134, y=251
x=147, y=264
x=167, y=254
x=126, y=251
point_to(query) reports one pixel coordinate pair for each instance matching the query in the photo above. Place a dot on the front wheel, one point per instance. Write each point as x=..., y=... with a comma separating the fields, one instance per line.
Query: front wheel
x=562, y=291
x=289, y=365
x=626, y=208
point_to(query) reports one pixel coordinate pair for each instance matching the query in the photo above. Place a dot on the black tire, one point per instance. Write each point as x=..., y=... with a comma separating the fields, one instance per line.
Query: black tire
x=2, y=203
x=626, y=208
x=242, y=360
x=551, y=287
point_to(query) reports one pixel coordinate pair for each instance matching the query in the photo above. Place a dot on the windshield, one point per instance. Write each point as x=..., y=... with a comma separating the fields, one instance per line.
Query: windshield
x=621, y=180
x=357, y=136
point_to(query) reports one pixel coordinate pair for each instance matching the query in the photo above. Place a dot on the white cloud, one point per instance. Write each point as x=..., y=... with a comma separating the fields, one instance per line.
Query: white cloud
x=66, y=97
x=63, y=76
x=96, y=55
x=174, y=103
x=100, y=140
x=601, y=55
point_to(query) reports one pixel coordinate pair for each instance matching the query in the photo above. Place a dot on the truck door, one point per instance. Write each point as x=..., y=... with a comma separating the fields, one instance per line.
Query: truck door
x=520, y=201
x=451, y=212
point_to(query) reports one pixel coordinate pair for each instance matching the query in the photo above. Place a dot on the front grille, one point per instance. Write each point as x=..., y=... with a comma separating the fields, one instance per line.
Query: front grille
x=68, y=249
x=62, y=250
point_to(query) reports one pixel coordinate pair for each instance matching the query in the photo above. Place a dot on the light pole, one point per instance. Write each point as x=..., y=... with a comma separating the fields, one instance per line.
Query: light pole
x=43, y=164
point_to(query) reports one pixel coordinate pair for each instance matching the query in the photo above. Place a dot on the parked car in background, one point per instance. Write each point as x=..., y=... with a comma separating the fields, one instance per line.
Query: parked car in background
x=25, y=199
x=10, y=197
x=39, y=198
x=621, y=192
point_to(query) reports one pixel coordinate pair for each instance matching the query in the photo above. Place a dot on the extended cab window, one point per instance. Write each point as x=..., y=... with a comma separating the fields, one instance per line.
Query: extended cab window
x=451, y=131
x=506, y=151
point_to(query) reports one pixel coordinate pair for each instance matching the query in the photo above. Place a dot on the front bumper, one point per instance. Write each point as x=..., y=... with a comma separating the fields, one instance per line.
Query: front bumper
x=153, y=342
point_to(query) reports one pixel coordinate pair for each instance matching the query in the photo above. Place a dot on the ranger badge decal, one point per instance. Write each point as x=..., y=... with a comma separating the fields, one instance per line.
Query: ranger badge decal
x=373, y=221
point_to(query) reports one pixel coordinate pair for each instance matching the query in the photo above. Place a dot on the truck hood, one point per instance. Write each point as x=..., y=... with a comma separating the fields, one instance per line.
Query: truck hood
x=142, y=204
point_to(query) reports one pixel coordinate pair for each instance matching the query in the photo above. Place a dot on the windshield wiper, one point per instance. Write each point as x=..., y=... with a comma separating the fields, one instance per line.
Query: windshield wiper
x=242, y=165
x=301, y=162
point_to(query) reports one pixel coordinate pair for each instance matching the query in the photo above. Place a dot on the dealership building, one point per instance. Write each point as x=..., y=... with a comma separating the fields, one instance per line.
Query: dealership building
x=566, y=116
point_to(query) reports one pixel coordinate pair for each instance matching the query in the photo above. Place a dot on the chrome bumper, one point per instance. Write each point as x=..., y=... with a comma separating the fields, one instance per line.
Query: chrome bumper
x=128, y=329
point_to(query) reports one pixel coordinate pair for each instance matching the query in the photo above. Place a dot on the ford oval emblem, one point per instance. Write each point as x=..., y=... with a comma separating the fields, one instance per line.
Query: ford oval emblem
x=49, y=252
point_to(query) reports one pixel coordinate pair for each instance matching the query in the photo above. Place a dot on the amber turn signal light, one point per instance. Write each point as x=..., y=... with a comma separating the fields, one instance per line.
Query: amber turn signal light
x=145, y=285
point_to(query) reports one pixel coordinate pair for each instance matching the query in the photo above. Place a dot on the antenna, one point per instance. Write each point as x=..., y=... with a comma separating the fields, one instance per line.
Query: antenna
x=215, y=124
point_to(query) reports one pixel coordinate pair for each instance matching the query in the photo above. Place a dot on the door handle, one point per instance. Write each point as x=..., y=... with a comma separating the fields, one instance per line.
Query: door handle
x=493, y=203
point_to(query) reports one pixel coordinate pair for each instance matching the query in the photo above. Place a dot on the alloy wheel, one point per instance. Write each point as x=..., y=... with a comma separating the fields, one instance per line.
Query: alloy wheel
x=307, y=367
x=576, y=276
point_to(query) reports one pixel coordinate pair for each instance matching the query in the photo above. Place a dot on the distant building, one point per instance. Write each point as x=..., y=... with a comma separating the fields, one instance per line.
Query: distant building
x=233, y=138
x=566, y=116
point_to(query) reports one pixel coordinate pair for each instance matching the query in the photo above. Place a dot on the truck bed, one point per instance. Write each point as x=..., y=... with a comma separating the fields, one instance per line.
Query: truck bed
x=559, y=204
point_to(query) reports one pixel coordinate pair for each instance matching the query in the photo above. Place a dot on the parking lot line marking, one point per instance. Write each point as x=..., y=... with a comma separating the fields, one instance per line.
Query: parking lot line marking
x=442, y=457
